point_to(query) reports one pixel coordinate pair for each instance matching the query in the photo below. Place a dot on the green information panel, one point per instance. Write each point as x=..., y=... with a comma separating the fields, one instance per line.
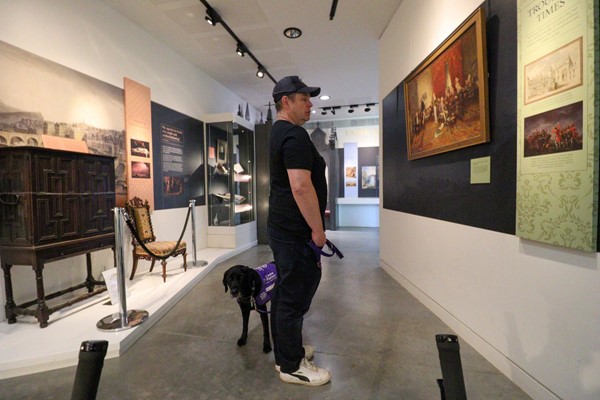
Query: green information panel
x=557, y=138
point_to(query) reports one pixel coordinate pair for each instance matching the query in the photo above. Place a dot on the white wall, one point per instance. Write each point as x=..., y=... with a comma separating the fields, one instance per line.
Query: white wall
x=90, y=37
x=363, y=136
x=533, y=310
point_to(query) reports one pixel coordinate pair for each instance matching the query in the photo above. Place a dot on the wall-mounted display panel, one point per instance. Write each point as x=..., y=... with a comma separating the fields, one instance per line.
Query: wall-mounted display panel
x=557, y=121
x=178, y=154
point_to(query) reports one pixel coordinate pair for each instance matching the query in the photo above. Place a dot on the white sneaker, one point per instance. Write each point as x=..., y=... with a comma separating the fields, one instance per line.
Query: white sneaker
x=309, y=354
x=307, y=374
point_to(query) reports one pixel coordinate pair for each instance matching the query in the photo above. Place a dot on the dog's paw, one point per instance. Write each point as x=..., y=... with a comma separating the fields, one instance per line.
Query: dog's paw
x=241, y=341
x=267, y=348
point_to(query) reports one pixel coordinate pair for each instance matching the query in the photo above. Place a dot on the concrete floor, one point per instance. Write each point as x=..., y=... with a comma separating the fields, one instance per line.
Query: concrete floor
x=376, y=339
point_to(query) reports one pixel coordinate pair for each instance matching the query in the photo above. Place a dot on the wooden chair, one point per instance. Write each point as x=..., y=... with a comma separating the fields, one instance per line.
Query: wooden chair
x=139, y=212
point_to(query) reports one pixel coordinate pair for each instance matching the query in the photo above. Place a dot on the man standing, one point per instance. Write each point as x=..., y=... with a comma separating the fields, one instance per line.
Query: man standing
x=296, y=216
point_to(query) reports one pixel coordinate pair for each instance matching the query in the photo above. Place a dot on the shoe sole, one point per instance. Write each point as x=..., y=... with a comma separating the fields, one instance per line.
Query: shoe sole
x=297, y=381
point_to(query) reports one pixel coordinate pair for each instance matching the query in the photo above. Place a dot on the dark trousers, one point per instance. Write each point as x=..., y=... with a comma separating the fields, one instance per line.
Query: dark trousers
x=298, y=276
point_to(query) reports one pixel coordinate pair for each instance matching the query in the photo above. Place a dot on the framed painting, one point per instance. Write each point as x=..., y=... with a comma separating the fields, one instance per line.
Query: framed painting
x=446, y=100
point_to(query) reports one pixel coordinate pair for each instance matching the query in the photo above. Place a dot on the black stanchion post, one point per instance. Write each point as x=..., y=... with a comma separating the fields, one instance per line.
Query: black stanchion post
x=453, y=384
x=89, y=368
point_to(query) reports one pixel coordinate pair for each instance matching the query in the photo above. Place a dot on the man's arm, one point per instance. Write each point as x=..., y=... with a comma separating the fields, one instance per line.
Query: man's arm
x=306, y=198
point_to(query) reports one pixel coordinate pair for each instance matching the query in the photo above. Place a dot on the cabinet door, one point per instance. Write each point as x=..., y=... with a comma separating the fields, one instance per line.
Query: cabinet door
x=55, y=198
x=15, y=199
x=97, y=185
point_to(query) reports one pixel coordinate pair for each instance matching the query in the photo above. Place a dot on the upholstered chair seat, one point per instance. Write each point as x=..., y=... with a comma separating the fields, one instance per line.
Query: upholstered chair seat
x=139, y=212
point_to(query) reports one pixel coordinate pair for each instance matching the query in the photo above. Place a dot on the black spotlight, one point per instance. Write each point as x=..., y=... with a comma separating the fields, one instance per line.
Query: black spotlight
x=240, y=50
x=212, y=17
x=260, y=73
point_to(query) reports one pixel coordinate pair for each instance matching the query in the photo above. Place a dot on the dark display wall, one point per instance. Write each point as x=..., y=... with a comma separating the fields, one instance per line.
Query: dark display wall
x=178, y=154
x=367, y=156
x=439, y=186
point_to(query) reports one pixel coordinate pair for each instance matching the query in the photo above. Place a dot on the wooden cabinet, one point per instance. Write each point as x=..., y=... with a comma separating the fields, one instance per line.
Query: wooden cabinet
x=53, y=204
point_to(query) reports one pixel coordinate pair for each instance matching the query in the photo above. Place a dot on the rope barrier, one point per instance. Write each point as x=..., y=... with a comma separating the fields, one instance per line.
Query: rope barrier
x=141, y=242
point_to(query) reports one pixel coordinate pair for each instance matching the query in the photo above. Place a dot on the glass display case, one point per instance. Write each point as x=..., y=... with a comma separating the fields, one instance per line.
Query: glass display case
x=230, y=150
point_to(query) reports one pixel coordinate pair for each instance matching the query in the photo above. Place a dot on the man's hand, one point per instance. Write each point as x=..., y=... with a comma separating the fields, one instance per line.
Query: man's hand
x=319, y=238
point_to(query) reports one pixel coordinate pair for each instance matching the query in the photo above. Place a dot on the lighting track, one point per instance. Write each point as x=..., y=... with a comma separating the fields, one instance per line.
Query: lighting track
x=333, y=7
x=351, y=108
x=212, y=13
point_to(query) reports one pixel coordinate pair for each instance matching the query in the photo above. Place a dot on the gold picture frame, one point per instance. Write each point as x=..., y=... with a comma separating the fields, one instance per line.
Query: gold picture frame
x=446, y=96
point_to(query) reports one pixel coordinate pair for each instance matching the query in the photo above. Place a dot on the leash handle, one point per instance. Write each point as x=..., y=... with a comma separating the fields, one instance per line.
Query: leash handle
x=319, y=250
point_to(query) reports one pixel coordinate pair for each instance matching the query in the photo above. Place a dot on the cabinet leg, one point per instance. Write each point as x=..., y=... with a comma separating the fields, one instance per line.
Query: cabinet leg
x=10, y=301
x=89, y=281
x=42, y=313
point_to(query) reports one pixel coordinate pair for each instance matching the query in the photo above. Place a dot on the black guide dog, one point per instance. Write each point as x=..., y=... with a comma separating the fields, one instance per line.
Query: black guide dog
x=249, y=288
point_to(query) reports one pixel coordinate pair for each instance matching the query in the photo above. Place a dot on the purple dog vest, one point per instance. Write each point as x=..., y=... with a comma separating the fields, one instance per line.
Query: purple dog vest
x=268, y=276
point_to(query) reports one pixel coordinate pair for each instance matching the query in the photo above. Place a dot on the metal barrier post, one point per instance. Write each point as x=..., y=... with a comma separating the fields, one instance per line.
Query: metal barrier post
x=124, y=319
x=195, y=263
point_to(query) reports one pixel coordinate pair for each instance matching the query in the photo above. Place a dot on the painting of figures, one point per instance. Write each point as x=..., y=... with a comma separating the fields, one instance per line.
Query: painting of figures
x=554, y=131
x=446, y=96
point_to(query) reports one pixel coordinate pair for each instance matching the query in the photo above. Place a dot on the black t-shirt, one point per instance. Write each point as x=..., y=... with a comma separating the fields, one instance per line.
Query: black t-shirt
x=291, y=148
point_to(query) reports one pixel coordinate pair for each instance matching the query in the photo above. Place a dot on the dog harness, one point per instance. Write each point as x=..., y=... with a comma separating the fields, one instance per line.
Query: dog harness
x=268, y=276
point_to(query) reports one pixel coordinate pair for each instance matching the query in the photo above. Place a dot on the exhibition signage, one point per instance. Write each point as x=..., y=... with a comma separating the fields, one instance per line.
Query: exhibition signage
x=557, y=126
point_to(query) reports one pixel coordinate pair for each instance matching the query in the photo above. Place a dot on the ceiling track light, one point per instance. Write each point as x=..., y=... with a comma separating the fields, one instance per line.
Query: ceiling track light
x=240, y=50
x=351, y=108
x=212, y=17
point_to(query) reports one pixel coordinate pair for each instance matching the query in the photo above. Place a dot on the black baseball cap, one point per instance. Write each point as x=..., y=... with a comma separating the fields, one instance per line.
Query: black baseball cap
x=293, y=84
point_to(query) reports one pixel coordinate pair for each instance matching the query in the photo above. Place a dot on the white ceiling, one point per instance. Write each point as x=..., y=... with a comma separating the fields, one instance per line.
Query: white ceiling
x=339, y=55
